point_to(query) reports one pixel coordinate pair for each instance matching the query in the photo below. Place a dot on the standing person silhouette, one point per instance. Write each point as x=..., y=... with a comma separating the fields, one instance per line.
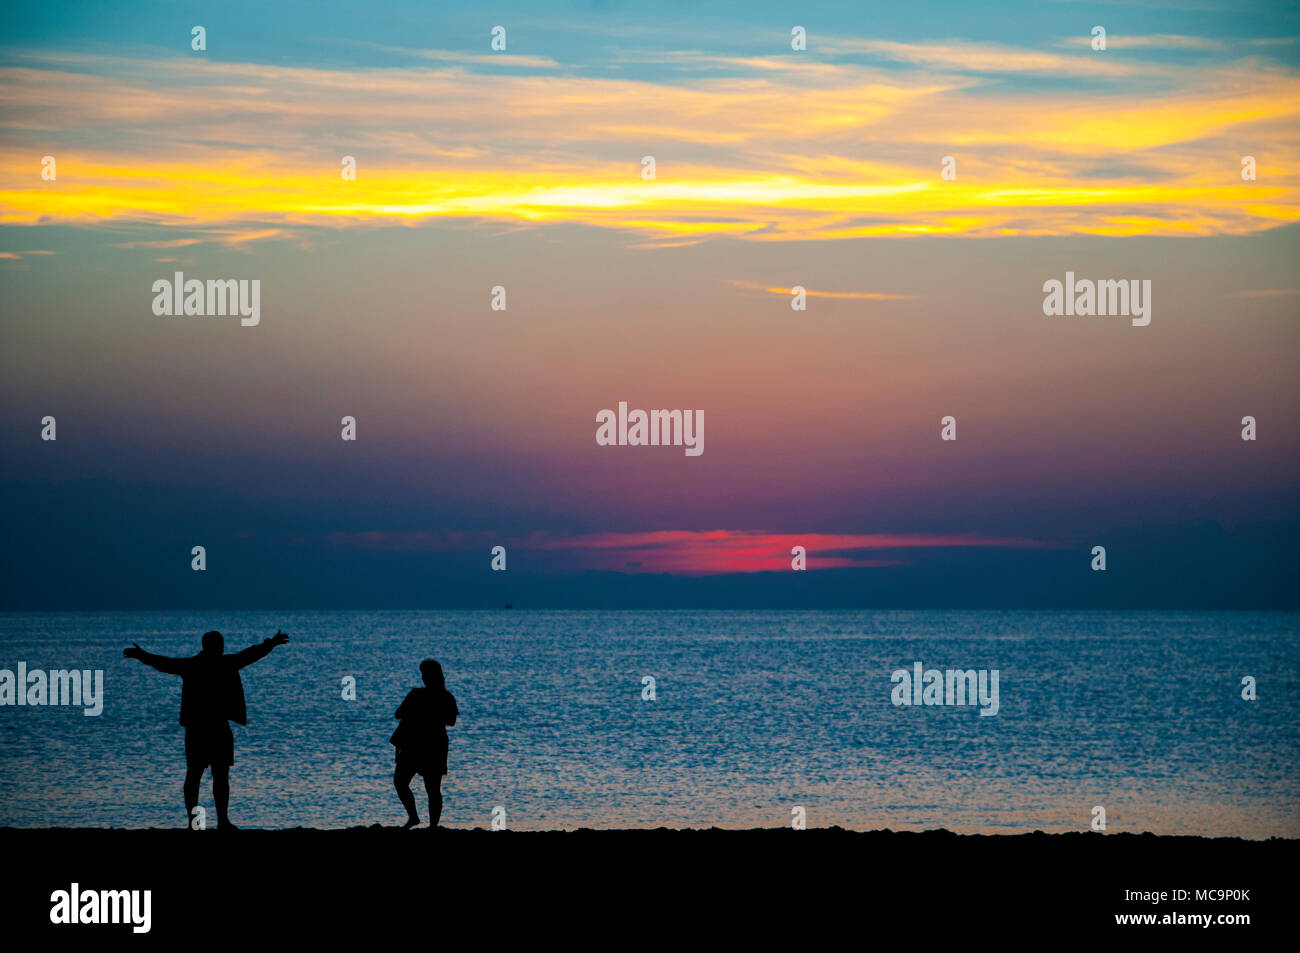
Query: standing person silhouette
x=421, y=742
x=212, y=696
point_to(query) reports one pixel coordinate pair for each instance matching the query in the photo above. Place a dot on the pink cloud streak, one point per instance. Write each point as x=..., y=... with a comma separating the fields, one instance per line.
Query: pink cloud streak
x=690, y=552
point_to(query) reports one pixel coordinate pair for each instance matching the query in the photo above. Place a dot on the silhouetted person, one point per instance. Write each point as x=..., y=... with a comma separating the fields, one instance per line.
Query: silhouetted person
x=212, y=696
x=421, y=741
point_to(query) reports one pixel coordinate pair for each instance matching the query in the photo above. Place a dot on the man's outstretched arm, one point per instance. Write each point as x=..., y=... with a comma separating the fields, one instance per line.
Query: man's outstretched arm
x=172, y=666
x=255, y=653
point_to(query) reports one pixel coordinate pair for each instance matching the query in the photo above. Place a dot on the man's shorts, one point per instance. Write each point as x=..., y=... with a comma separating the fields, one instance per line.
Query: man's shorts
x=209, y=745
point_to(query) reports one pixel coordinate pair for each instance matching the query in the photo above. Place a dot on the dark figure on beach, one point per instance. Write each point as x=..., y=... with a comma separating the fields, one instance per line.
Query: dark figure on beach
x=212, y=696
x=421, y=741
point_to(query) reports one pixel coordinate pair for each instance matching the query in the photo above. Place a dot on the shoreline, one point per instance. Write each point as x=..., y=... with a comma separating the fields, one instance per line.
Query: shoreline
x=944, y=833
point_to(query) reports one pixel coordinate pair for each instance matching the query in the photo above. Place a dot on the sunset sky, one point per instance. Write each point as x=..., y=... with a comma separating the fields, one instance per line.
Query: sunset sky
x=774, y=168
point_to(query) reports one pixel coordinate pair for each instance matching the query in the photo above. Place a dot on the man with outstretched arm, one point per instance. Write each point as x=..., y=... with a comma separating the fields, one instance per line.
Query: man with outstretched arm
x=212, y=696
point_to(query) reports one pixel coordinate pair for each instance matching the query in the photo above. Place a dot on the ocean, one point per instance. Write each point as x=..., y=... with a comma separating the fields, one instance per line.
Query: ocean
x=754, y=716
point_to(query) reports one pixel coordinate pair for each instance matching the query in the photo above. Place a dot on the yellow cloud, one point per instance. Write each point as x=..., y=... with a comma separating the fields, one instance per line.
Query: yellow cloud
x=248, y=151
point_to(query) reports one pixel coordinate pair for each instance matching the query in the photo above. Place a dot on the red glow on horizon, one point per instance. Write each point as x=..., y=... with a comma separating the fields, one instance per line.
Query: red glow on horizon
x=692, y=552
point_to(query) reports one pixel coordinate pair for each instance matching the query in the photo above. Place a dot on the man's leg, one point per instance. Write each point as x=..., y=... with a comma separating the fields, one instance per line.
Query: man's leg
x=221, y=794
x=402, y=775
x=433, y=784
x=193, y=775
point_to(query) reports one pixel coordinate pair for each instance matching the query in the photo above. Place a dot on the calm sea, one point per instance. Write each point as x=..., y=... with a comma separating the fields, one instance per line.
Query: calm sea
x=756, y=713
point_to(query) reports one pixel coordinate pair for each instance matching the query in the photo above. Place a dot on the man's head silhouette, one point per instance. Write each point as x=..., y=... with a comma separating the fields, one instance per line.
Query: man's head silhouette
x=213, y=643
x=431, y=672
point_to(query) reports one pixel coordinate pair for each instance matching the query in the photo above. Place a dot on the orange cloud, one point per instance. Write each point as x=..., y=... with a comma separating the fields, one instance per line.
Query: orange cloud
x=846, y=295
x=19, y=255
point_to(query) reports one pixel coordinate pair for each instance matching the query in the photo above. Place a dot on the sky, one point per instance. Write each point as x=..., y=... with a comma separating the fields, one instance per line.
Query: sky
x=525, y=169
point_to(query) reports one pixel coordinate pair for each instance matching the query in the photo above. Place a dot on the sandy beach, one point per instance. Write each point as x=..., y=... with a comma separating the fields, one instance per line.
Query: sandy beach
x=579, y=884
